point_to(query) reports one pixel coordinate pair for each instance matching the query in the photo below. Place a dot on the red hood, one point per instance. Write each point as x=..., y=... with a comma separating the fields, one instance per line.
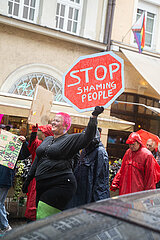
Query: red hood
x=133, y=137
x=46, y=129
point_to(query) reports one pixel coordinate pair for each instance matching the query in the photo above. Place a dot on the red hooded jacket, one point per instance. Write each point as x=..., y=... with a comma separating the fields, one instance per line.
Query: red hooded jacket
x=137, y=172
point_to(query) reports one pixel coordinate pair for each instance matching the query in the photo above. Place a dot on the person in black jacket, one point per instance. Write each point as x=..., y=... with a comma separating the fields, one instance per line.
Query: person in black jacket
x=92, y=174
x=52, y=167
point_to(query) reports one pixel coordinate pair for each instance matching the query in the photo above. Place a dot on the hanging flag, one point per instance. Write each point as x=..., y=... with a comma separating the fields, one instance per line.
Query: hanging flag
x=139, y=32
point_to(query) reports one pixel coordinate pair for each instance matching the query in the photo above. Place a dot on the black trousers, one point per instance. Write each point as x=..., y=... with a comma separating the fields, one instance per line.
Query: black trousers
x=56, y=191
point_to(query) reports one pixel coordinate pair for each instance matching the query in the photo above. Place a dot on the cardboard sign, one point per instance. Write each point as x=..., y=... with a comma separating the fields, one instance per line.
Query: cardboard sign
x=41, y=106
x=94, y=80
x=10, y=147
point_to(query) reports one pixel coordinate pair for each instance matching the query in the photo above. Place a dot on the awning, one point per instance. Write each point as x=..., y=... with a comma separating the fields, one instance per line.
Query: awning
x=147, y=66
x=15, y=105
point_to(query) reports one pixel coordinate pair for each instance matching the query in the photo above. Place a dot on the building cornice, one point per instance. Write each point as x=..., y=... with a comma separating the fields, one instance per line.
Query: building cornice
x=53, y=33
x=116, y=46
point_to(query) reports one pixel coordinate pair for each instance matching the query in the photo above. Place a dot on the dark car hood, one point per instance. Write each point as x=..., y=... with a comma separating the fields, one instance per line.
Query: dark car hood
x=131, y=216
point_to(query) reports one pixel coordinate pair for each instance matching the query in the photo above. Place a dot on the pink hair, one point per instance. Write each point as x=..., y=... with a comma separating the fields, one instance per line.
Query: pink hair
x=66, y=119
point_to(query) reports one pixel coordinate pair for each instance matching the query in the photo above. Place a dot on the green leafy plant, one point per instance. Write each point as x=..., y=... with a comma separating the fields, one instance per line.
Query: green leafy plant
x=113, y=169
x=22, y=169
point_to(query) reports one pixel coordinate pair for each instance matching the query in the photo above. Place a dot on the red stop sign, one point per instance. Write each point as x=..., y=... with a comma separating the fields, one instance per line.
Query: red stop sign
x=94, y=80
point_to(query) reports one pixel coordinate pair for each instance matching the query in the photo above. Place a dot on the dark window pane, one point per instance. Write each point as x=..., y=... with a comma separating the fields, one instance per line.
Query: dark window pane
x=139, y=12
x=33, y=3
x=130, y=98
x=57, y=10
x=149, y=25
x=149, y=102
x=141, y=109
x=148, y=39
x=31, y=14
x=115, y=105
x=61, y=22
x=154, y=126
x=156, y=104
x=56, y=22
x=151, y=15
x=76, y=14
x=16, y=9
x=74, y=27
x=129, y=107
x=121, y=106
x=122, y=98
x=70, y=14
x=25, y=12
x=26, y=2
x=142, y=100
x=69, y=25
x=62, y=10
x=10, y=6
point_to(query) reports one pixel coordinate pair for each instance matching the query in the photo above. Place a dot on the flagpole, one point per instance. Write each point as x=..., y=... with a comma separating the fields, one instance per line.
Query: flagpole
x=127, y=32
x=130, y=29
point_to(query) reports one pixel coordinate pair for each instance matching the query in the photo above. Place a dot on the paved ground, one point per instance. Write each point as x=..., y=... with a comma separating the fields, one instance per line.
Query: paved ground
x=17, y=222
x=14, y=223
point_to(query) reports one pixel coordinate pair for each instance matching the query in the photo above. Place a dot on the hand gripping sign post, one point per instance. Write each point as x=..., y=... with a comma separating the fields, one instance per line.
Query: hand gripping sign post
x=94, y=80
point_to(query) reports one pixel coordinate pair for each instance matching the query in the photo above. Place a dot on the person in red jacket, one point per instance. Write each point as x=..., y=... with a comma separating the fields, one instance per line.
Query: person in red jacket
x=137, y=172
x=46, y=130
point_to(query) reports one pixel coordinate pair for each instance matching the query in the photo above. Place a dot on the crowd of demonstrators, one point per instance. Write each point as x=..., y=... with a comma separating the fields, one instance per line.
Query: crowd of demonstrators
x=52, y=167
x=34, y=142
x=138, y=169
x=69, y=170
x=92, y=174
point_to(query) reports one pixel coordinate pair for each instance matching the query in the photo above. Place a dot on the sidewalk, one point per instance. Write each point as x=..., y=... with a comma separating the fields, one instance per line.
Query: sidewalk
x=17, y=222
x=14, y=223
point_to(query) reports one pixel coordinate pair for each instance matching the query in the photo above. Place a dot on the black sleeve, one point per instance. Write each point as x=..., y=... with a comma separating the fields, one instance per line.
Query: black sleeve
x=75, y=160
x=24, y=152
x=32, y=137
x=79, y=141
x=67, y=146
x=90, y=131
x=32, y=171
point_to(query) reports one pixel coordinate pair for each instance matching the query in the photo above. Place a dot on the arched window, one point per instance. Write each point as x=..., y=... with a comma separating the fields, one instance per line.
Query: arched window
x=25, y=86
